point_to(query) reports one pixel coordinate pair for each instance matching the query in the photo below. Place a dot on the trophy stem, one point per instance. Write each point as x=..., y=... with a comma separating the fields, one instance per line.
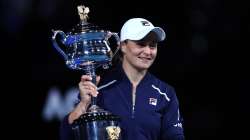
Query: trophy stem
x=90, y=70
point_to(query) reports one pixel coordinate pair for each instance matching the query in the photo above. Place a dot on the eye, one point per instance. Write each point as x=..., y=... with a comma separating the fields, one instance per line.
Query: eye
x=140, y=43
x=153, y=45
x=144, y=44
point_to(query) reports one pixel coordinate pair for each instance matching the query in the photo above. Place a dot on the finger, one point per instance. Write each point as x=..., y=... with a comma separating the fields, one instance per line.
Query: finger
x=97, y=79
x=88, y=83
x=92, y=89
x=94, y=93
x=86, y=78
x=90, y=92
x=84, y=88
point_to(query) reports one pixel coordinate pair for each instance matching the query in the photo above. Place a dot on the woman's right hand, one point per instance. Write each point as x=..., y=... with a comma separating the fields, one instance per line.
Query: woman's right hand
x=87, y=89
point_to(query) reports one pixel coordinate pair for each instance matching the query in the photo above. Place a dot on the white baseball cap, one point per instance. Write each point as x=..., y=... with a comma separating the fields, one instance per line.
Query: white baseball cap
x=138, y=28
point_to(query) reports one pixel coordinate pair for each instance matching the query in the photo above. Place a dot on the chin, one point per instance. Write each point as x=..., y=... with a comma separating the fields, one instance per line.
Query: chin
x=143, y=67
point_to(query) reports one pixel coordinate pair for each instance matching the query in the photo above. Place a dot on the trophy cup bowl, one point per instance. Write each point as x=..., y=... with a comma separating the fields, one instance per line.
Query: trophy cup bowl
x=86, y=47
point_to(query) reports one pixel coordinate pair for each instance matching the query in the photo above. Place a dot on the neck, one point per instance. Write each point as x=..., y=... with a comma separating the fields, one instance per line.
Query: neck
x=133, y=74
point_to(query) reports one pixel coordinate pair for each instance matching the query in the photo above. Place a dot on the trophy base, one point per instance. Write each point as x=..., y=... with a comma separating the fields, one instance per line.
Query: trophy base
x=95, y=108
x=97, y=124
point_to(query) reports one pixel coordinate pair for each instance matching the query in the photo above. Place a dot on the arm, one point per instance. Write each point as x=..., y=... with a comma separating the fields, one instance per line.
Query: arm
x=87, y=89
x=172, y=128
x=66, y=133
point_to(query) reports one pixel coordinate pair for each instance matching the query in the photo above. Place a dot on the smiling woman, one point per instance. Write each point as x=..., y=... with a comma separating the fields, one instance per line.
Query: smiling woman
x=147, y=106
x=139, y=54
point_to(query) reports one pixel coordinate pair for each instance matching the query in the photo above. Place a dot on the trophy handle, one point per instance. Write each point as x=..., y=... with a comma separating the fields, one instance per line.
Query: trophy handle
x=116, y=37
x=55, y=44
x=118, y=42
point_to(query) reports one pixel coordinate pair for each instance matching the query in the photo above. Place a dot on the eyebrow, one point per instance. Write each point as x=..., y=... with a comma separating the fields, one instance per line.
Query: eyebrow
x=144, y=43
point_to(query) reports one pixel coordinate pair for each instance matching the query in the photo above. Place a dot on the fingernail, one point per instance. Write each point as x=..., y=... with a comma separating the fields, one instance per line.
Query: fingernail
x=96, y=94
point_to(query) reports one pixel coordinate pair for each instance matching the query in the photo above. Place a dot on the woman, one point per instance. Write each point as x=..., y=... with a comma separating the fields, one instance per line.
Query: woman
x=148, y=107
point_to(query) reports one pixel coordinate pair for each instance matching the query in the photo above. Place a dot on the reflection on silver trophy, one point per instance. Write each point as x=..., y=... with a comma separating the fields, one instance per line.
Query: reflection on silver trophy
x=86, y=48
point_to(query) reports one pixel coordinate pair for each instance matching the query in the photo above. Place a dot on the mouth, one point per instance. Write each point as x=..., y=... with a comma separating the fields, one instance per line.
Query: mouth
x=145, y=58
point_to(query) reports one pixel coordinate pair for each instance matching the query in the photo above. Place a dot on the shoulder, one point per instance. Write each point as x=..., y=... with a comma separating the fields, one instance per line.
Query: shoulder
x=112, y=74
x=161, y=86
x=159, y=83
x=109, y=78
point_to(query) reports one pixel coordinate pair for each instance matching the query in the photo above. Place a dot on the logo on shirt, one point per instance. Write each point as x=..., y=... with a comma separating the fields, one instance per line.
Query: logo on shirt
x=178, y=125
x=153, y=101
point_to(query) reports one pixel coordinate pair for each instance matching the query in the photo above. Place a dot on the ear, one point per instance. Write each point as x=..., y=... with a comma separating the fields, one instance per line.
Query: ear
x=123, y=47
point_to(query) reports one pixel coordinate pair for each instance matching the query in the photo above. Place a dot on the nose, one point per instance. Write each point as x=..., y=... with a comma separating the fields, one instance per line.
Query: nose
x=147, y=50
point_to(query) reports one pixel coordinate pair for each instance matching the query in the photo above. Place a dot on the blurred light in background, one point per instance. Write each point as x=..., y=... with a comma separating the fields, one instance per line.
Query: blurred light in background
x=15, y=14
x=57, y=106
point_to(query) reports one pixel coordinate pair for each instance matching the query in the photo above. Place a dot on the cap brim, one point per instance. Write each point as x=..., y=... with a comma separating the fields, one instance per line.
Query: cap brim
x=158, y=31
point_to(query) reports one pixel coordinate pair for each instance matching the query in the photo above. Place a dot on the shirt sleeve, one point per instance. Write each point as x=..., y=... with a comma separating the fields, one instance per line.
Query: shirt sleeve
x=66, y=132
x=172, y=128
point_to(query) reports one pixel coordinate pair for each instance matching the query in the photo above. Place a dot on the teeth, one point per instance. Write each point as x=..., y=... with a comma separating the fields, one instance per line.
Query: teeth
x=144, y=58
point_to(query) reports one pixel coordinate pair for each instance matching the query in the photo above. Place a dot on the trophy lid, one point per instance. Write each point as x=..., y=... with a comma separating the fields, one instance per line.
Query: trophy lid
x=85, y=43
x=84, y=26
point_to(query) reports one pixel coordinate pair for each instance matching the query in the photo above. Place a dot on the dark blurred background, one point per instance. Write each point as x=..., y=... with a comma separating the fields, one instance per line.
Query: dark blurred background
x=213, y=89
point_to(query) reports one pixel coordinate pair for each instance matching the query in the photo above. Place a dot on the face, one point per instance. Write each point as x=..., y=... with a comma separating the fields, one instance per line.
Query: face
x=140, y=54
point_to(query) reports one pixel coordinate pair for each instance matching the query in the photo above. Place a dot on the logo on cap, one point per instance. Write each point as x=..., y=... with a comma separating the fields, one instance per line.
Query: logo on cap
x=145, y=23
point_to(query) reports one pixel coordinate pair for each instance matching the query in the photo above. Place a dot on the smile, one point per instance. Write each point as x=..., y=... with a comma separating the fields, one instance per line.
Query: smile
x=145, y=58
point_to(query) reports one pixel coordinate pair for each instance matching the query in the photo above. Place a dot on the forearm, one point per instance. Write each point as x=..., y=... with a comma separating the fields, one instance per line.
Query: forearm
x=77, y=112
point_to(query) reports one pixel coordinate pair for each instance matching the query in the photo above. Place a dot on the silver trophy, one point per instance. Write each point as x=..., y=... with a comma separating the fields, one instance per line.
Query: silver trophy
x=86, y=48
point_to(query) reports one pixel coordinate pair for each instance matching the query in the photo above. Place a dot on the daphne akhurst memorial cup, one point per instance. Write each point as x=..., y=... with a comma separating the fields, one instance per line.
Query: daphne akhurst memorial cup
x=86, y=48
